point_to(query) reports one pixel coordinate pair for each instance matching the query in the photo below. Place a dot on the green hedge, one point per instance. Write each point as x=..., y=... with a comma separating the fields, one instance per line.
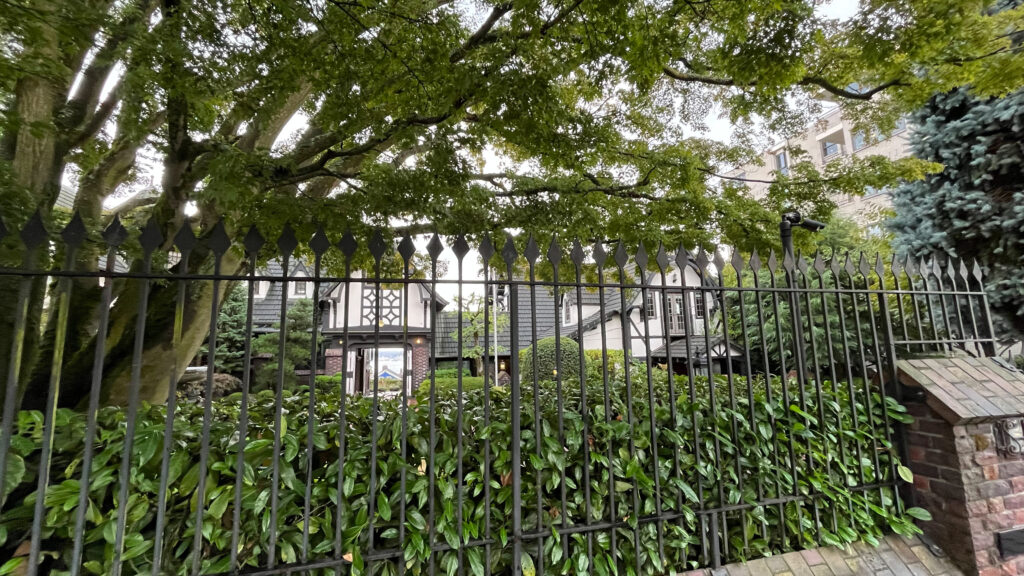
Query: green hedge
x=795, y=442
x=567, y=365
x=448, y=386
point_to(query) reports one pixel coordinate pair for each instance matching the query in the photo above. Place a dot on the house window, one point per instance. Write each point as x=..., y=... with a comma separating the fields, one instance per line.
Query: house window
x=698, y=305
x=676, y=319
x=390, y=306
x=568, y=312
x=782, y=163
x=860, y=140
x=901, y=125
x=650, y=307
x=257, y=288
x=829, y=149
x=300, y=288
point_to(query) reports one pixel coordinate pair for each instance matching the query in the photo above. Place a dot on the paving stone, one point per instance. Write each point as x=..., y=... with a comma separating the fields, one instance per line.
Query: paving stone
x=902, y=549
x=812, y=557
x=822, y=570
x=776, y=564
x=738, y=569
x=895, y=563
x=797, y=565
x=933, y=564
x=759, y=568
x=835, y=561
x=918, y=569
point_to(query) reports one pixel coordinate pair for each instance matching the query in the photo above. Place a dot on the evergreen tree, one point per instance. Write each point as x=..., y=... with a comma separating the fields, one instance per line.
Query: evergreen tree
x=974, y=208
x=298, y=337
x=231, y=334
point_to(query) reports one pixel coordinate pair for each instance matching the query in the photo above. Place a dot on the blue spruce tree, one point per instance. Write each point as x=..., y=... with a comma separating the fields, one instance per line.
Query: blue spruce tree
x=974, y=207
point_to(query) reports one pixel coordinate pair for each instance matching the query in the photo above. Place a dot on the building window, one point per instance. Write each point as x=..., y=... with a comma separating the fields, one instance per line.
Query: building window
x=698, y=305
x=901, y=125
x=860, y=140
x=676, y=319
x=300, y=288
x=257, y=288
x=829, y=149
x=782, y=163
x=650, y=308
x=568, y=312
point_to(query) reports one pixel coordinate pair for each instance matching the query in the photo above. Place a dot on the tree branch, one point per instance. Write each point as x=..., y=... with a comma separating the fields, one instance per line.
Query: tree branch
x=481, y=35
x=805, y=81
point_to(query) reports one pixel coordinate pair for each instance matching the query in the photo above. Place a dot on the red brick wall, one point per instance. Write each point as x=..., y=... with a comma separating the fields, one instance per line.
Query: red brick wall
x=333, y=360
x=971, y=491
x=420, y=361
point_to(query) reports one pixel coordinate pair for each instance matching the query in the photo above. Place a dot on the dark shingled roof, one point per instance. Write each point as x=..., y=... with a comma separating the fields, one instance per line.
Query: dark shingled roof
x=697, y=346
x=448, y=323
x=266, y=311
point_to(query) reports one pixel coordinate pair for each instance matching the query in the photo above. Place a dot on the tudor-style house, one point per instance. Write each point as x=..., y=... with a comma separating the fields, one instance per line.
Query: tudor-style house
x=672, y=318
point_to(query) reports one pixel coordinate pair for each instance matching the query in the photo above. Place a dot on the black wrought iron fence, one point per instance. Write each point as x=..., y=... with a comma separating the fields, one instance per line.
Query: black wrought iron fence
x=586, y=410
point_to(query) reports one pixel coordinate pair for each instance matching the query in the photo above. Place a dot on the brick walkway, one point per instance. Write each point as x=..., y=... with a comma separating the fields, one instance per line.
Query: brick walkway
x=895, y=556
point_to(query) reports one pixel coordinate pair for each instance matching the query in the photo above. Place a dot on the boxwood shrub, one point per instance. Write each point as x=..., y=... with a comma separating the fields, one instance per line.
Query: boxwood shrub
x=612, y=458
x=567, y=364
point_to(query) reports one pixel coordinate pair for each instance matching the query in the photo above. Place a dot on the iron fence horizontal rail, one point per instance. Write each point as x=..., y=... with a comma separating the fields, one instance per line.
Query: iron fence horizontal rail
x=707, y=410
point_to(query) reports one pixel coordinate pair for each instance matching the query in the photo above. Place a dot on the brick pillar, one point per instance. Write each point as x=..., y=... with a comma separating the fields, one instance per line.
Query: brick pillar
x=974, y=493
x=420, y=360
x=333, y=360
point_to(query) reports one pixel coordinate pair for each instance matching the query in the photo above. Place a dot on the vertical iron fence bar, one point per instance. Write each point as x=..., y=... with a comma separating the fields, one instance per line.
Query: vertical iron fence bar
x=925, y=292
x=376, y=246
x=460, y=243
x=791, y=269
x=876, y=345
x=204, y=450
x=64, y=287
x=509, y=255
x=895, y=268
x=950, y=293
x=909, y=265
x=555, y=257
x=311, y=419
x=149, y=245
x=841, y=310
x=889, y=384
x=282, y=335
x=33, y=228
x=988, y=346
x=819, y=268
x=683, y=260
x=538, y=421
x=585, y=413
x=486, y=252
x=737, y=264
x=434, y=248
x=951, y=272
x=800, y=270
x=600, y=257
x=975, y=333
x=407, y=251
x=659, y=525
x=111, y=236
x=252, y=250
x=720, y=541
x=784, y=378
x=627, y=337
x=730, y=379
x=758, y=291
x=348, y=247
x=185, y=241
x=936, y=272
x=862, y=348
x=666, y=312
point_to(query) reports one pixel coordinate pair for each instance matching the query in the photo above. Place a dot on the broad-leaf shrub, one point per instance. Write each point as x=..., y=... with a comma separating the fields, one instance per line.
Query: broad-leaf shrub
x=539, y=360
x=727, y=444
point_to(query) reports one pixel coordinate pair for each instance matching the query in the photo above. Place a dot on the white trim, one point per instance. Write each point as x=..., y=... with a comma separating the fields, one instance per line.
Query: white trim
x=830, y=132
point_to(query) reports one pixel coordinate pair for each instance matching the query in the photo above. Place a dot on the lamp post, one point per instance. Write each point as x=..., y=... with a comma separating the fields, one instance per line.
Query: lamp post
x=790, y=219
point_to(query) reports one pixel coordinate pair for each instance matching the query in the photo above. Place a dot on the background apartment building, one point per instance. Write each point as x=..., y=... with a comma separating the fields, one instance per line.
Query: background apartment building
x=831, y=138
